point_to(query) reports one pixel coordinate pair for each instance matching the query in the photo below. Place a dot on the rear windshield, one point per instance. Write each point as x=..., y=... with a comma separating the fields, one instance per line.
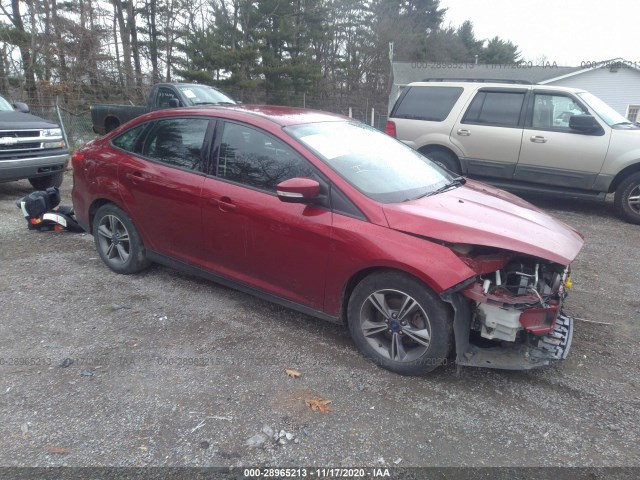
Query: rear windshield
x=427, y=103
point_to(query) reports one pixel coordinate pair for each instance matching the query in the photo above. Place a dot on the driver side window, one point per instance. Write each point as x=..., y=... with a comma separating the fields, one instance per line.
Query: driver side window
x=256, y=159
x=552, y=112
x=164, y=96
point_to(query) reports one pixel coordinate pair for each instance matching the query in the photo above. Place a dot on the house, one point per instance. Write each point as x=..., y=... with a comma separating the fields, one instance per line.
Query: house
x=616, y=82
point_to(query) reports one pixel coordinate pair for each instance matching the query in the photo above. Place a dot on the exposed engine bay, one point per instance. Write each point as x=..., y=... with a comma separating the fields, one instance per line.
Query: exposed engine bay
x=513, y=312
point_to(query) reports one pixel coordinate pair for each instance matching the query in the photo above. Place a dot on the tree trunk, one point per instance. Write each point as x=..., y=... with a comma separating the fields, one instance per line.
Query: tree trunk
x=62, y=58
x=126, y=42
x=135, y=48
x=153, y=40
x=48, y=40
x=25, y=52
x=117, y=45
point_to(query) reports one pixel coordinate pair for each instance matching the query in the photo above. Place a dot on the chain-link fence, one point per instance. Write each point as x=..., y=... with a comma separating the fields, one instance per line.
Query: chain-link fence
x=77, y=125
x=79, y=130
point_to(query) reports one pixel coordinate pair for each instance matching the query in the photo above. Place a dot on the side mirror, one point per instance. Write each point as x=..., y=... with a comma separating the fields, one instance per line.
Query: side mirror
x=583, y=123
x=21, y=107
x=298, y=190
x=174, y=103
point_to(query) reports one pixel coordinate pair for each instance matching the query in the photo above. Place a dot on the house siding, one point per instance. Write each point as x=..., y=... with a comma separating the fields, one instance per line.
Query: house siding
x=618, y=89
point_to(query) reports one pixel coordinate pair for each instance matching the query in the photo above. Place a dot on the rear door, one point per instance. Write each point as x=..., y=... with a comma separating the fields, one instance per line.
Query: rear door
x=489, y=132
x=552, y=153
x=249, y=234
x=163, y=185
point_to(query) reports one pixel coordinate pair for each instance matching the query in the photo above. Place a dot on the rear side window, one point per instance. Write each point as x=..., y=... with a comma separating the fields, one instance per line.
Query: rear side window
x=177, y=142
x=495, y=108
x=427, y=103
x=127, y=140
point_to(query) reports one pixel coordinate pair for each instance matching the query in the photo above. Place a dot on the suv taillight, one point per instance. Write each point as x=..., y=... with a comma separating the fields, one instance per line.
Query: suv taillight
x=390, y=129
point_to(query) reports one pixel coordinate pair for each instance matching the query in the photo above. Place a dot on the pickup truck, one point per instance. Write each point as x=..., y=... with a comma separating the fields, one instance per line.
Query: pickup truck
x=539, y=139
x=30, y=147
x=107, y=117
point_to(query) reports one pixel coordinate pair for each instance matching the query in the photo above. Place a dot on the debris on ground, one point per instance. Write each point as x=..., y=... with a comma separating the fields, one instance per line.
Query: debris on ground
x=319, y=405
x=257, y=441
x=292, y=373
x=67, y=362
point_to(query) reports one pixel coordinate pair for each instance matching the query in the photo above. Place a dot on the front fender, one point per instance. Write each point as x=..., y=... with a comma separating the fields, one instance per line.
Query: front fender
x=366, y=246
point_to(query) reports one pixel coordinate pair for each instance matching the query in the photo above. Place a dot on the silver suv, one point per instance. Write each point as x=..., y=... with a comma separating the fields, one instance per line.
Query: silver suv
x=525, y=138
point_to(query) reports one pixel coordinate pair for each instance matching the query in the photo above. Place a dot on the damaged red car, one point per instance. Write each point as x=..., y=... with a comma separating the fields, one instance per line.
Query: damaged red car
x=327, y=216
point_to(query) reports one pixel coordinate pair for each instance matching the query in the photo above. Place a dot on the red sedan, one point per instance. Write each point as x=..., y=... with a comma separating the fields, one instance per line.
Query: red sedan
x=332, y=218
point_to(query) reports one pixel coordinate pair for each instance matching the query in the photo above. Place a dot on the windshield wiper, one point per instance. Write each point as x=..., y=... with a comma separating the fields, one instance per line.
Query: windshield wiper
x=455, y=183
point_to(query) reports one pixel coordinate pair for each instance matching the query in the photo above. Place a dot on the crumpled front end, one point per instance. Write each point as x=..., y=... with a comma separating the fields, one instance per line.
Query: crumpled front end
x=510, y=316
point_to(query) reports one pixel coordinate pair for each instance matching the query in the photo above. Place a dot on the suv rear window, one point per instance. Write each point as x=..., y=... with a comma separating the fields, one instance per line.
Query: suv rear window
x=495, y=108
x=427, y=103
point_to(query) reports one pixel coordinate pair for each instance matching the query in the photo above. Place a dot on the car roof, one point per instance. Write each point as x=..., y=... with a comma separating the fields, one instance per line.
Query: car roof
x=506, y=85
x=283, y=116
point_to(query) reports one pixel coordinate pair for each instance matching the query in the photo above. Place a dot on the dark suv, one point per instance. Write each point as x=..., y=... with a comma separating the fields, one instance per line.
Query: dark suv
x=30, y=147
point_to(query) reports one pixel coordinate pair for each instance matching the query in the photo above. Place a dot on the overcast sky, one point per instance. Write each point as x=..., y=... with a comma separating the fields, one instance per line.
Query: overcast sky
x=565, y=31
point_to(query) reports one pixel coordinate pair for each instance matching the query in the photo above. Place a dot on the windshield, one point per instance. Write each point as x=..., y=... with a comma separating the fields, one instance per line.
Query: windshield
x=203, y=95
x=604, y=111
x=379, y=166
x=5, y=106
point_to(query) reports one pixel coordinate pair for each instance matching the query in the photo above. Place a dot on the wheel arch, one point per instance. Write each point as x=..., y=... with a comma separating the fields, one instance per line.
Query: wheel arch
x=97, y=203
x=435, y=147
x=111, y=122
x=360, y=275
x=622, y=174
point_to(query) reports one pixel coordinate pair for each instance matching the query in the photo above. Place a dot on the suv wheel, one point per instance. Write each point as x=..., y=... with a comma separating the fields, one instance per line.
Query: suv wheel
x=444, y=159
x=118, y=241
x=399, y=323
x=627, y=199
x=42, y=183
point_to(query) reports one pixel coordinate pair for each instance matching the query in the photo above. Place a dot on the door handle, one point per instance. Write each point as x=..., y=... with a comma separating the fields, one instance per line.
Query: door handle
x=463, y=132
x=538, y=139
x=226, y=205
x=135, y=177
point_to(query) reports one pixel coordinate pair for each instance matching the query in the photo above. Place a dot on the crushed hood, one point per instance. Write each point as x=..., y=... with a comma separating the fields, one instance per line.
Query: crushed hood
x=478, y=214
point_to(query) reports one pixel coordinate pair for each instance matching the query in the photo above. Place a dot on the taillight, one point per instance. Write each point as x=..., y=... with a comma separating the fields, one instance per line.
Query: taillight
x=390, y=129
x=77, y=157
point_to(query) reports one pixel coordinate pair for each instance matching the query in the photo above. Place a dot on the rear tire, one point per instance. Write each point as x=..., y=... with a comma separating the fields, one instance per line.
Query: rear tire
x=42, y=183
x=399, y=323
x=627, y=199
x=444, y=159
x=118, y=241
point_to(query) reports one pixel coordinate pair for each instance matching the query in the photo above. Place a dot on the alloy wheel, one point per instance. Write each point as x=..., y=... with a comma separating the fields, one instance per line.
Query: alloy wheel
x=395, y=325
x=633, y=200
x=113, y=240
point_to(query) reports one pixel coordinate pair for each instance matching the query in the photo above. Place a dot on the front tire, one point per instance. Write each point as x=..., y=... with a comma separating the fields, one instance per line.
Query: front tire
x=399, y=323
x=627, y=199
x=118, y=241
x=42, y=183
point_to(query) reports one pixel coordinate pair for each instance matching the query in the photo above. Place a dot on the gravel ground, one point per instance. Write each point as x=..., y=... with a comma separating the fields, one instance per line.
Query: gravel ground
x=110, y=378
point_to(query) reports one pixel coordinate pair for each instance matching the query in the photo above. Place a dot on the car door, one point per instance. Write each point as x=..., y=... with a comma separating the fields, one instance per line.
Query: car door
x=552, y=153
x=490, y=132
x=163, y=185
x=249, y=234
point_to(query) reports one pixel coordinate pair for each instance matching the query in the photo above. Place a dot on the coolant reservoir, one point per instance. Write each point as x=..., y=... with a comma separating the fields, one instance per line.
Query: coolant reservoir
x=499, y=323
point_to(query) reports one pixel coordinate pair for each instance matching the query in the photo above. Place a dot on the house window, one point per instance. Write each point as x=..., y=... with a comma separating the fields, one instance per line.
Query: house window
x=632, y=113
